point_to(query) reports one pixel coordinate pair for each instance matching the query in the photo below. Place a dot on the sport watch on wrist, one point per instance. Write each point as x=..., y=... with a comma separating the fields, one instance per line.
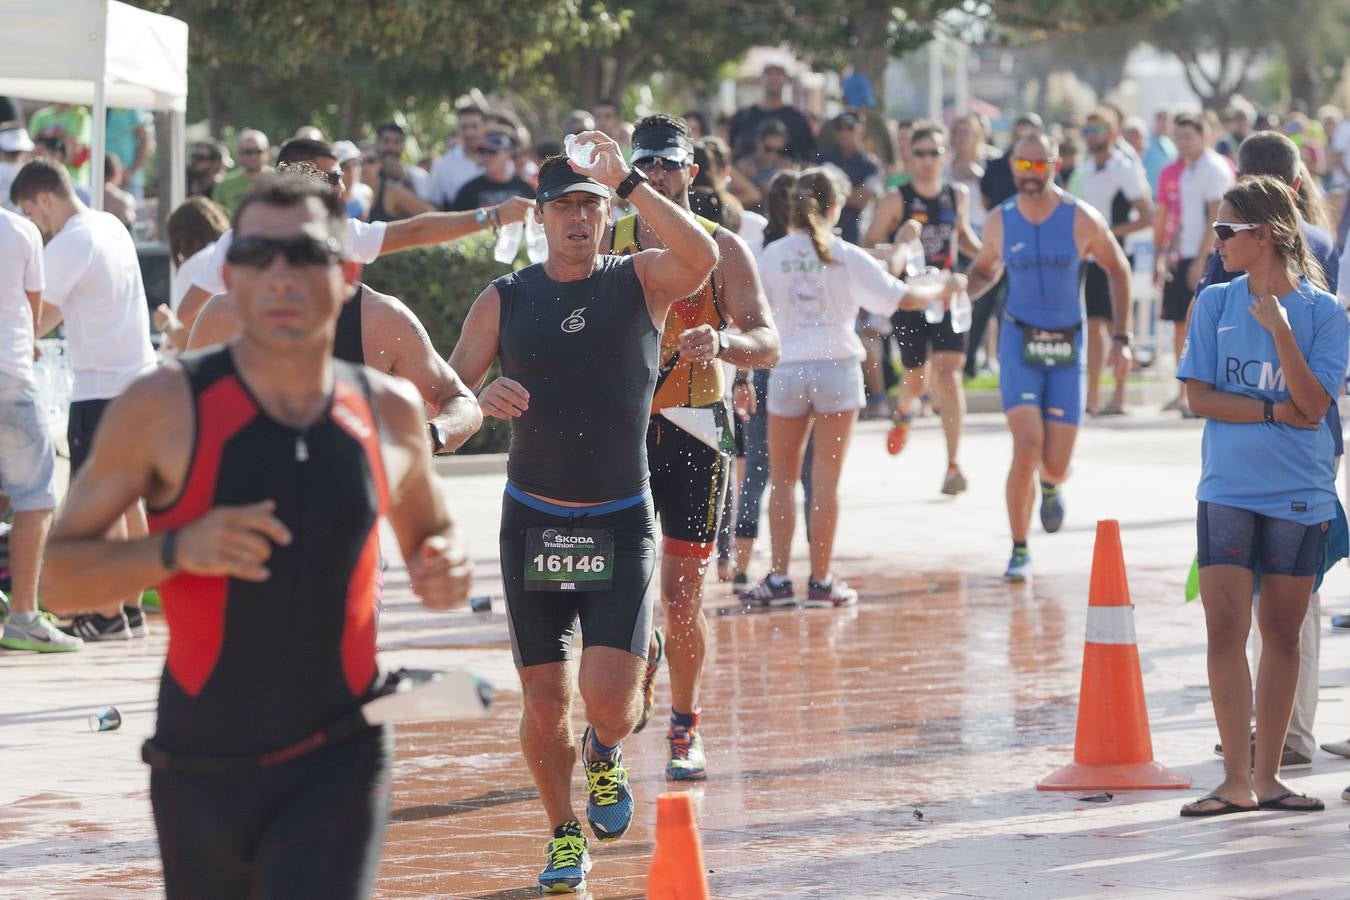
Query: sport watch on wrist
x=481, y=217
x=438, y=437
x=629, y=184
x=1123, y=337
x=723, y=343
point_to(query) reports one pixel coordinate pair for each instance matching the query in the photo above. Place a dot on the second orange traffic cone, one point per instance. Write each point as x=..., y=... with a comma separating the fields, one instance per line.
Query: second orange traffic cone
x=677, y=872
x=1113, y=749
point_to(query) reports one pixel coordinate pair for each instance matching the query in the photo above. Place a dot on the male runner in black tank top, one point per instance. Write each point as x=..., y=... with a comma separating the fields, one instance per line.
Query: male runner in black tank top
x=266, y=467
x=941, y=211
x=577, y=339
x=380, y=331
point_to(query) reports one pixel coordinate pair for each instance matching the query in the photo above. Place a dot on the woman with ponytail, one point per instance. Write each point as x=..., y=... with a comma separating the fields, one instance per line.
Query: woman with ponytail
x=816, y=284
x=1265, y=355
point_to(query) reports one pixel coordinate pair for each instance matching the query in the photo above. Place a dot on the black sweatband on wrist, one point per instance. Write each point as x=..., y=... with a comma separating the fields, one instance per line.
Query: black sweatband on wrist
x=1268, y=410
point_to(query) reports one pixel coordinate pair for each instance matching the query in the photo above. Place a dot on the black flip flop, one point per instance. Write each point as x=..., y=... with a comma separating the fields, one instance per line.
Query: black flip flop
x=1280, y=802
x=1228, y=808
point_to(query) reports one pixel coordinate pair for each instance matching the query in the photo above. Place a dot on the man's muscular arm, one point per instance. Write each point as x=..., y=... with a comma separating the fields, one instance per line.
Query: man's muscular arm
x=987, y=267
x=754, y=344
x=438, y=564
x=396, y=343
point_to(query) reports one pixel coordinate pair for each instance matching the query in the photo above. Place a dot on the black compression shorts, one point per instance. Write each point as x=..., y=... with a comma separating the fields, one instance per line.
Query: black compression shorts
x=542, y=623
x=914, y=335
x=308, y=828
x=689, y=483
x=1229, y=536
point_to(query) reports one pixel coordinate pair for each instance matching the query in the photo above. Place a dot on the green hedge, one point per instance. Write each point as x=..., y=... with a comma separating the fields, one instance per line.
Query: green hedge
x=439, y=284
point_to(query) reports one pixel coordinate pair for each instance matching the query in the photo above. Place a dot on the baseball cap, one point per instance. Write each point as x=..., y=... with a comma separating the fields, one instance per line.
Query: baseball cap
x=563, y=180
x=666, y=143
x=14, y=138
x=346, y=152
x=846, y=118
x=497, y=140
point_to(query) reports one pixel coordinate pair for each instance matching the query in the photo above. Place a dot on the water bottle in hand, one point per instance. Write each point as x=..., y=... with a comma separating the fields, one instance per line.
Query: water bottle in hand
x=536, y=243
x=915, y=263
x=508, y=242
x=961, y=313
x=581, y=154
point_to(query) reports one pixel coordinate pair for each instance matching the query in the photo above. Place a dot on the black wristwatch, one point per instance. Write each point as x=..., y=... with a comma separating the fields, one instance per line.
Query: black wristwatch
x=1123, y=338
x=1268, y=409
x=629, y=184
x=438, y=437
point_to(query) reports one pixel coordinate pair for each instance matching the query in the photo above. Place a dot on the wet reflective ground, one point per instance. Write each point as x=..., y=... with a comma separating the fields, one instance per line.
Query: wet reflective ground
x=889, y=750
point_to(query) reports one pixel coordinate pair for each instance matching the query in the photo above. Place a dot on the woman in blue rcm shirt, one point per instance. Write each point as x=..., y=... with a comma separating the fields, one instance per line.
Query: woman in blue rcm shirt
x=1265, y=355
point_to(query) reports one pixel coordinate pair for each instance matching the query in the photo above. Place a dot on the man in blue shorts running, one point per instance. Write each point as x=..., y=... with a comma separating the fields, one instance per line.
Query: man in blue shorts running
x=1040, y=236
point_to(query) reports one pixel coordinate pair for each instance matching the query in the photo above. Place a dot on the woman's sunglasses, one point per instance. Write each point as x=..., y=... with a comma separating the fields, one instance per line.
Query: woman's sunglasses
x=1039, y=166
x=1224, y=231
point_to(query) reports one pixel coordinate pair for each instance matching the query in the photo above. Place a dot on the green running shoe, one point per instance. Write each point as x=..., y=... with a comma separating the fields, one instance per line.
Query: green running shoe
x=568, y=861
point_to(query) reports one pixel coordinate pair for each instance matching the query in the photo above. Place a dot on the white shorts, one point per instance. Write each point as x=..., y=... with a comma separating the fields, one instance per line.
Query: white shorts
x=828, y=386
x=27, y=461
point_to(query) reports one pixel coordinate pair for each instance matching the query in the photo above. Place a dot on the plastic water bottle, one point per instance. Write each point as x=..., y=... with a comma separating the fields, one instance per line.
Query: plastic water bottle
x=961, y=313
x=581, y=154
x=915, y=261
x=536, y=243
x=508, y=242
x=925, y=276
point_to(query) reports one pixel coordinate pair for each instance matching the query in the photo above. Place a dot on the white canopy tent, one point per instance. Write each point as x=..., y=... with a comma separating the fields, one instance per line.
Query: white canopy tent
x=98, y=53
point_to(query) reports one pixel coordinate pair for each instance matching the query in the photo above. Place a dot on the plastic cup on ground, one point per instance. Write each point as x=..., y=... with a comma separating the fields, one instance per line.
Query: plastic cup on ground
x=109, y=719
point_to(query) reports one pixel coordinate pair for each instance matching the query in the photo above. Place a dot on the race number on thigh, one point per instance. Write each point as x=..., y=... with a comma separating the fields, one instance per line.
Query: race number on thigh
x=1047, y=347
x=569, y=559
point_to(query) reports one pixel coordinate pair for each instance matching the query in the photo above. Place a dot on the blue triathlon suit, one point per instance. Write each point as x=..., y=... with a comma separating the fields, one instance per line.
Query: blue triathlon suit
x=1044, y=292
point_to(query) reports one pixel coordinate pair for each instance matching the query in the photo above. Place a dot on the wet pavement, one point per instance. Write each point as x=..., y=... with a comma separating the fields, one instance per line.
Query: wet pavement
x=890, y=750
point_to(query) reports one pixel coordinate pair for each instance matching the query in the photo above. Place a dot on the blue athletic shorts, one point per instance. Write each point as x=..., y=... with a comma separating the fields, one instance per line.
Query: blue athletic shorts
x=1228, y=536
x=1056, y=390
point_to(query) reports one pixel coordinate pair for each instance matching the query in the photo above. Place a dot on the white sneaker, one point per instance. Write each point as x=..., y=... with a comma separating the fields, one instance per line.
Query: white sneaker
x=40, y=635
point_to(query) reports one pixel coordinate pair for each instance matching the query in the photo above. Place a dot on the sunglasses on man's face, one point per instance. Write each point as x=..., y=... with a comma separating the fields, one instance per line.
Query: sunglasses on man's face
x=334, y=178
x=928, y=153
x=1039, y=166
x=202, y=157
x=1095, y=130
x=251, y=152
x=299, y=251
x=1224, y=231
x=650, y=164
x=775, y=148
x=488, y=151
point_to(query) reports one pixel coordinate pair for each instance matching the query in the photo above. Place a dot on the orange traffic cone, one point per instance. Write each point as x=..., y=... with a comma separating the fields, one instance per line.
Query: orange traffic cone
x=677, y=872
x=1112, y=748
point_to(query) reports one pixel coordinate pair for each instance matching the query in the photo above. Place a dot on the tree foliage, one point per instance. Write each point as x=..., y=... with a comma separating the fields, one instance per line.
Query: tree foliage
x=348, y=65
x=1219, y=42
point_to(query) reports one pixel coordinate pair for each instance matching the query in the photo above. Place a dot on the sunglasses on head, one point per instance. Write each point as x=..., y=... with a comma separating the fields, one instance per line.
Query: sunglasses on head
x=1224, y=231
x=652, y=163
x=299, y=251
x=1039, y=166
x=928, y=153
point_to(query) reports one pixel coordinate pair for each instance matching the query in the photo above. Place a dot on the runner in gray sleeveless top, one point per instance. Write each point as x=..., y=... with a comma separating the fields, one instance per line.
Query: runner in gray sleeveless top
x=577, y=339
